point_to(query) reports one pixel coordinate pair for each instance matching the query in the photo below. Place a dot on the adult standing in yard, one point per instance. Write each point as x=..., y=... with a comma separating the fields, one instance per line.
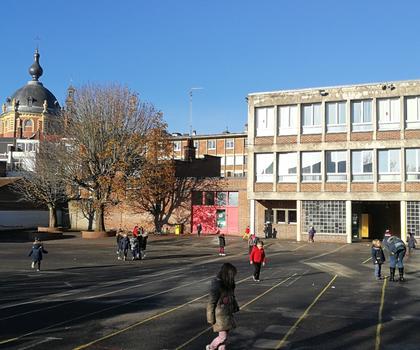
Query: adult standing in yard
x=222, y=305
x=397, y=249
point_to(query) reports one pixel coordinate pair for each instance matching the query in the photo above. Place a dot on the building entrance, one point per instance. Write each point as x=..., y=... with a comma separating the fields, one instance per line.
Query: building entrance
x=371, y=219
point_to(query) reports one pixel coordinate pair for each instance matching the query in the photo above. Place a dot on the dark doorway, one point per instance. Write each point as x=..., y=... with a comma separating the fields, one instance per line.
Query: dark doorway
x=371, y=219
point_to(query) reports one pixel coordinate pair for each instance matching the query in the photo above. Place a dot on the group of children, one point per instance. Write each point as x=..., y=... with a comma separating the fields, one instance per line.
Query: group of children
x=136, y=244
x=396, y=249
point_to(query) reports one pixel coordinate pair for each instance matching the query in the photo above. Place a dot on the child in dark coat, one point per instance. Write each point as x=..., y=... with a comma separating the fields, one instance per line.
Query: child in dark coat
x=222, y=244
x=378, y=257
x=36, y=253
x=124, y=246
x=411, y=243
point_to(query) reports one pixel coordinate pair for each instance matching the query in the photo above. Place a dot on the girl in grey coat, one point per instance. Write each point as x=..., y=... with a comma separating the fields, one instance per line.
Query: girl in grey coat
x=222, y=305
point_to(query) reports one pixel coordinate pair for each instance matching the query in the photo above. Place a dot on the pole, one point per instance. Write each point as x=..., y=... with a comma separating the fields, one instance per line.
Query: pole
x=191, y=106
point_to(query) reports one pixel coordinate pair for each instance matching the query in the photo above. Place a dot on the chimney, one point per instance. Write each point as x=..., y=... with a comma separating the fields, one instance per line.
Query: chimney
x=189, y=150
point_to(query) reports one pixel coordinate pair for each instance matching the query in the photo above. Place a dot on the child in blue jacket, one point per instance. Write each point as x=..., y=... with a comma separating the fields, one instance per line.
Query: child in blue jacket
x=378, y=257
x=36, y=253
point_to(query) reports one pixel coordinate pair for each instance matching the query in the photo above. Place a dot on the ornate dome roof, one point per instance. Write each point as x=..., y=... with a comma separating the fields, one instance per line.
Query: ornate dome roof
x=33, y=97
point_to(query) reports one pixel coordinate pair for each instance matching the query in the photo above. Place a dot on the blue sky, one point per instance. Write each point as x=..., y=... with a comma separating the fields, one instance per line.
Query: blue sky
x=162, y=48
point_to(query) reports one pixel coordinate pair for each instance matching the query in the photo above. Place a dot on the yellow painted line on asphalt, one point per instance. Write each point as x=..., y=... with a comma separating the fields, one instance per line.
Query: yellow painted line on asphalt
x=189, y=341
x=302, y=317
x=8, y=341
x=84, y=346
x=379, y=325
x=364, y=262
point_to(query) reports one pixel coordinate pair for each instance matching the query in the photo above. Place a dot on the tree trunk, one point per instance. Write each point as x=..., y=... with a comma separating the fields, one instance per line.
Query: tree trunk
x=52, y=216
x=158, y=224
x=100, y=224
x=90, y=221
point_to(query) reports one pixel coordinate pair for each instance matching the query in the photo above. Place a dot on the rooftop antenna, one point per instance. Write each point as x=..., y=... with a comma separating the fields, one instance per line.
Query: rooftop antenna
x=37, y=39
x=191, y=108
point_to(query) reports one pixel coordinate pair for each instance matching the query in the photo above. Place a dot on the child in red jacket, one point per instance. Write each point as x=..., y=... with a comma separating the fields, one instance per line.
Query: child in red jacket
x=257, y=258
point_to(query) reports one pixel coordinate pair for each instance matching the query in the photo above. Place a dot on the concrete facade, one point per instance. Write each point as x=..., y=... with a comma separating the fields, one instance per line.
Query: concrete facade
x=325, y=124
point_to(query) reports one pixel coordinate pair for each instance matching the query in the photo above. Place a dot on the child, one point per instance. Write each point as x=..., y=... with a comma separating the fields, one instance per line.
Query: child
x=378, y=257
x=118, y=236
x=124, y=246
x=252, y=241
x=36, y=252
x=134, y=244
x=411, y=243
x=311, y=234
x=222, y=244
x=257, y=258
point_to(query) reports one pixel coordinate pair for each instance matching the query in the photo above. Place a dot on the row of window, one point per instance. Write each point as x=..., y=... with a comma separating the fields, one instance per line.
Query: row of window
x=388, y=112
x=234, y=160
x=215, y=198
x=211, y=144
x=335, y=165
x=280, y=216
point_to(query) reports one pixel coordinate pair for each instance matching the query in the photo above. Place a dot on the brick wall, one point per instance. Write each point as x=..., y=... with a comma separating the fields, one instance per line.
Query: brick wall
x=310, y=138
x=285, y=231
x=286, y=139
x=310, y=187
x=412, y=187
x=389, y=187
x=266, y=140
x=361, y=136
x=336, y=137
x=286, y=187
x=319, y=237
x=335, y=187
x=412, y=134
x=388, y=135
x=361, y=187
x=239, y=145
x=263, y=187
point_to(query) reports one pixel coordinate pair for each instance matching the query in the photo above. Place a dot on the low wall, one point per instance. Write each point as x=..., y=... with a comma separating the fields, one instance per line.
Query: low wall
x=22, y=219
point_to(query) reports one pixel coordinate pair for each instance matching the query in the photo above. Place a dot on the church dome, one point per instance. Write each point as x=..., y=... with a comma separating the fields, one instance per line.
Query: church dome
x=33, y=97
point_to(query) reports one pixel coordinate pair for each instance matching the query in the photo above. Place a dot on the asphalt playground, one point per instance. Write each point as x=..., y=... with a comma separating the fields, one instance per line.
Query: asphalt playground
x=311, y=296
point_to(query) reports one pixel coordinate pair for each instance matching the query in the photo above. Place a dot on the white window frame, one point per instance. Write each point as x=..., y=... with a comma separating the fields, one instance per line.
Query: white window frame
x=413, y=175
x=336, y=126
x=177, y=146
x=389, y=175
x=230, y=160
x=363, y=125
x=287, y=120
x=264, y=121
x=263, y=162
x=388, y=113
x=284, y=174
x=311, y=128
x=311, y=176
x=361, y=176
x=239, y=160
x=412, y=123
x=229, y=143
x=336, y=176
x=211, y=144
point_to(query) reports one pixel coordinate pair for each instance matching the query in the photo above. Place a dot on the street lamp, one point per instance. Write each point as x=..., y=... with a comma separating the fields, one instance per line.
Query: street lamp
x=191, y=108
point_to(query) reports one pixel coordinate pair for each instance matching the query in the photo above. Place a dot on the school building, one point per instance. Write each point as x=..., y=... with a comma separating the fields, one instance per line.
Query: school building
x=345, y=159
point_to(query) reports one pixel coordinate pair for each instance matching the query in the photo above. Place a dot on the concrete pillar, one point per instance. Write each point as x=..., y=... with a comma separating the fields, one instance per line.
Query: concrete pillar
x=252, y=215
x=348, y=222
x=299, y=220
x=403, y=218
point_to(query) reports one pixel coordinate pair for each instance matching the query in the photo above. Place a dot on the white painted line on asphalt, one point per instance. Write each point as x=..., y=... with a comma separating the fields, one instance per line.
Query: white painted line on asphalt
x=334, y=269
x=368, y=259
x=39, y=342
x=323, y=254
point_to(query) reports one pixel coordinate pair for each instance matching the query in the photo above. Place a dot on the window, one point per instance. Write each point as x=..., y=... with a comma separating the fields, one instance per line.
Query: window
x=229, y=173
x=336, y=116
x=291, y=216
x=239, y=160
x=28, y=124
x=281, y=216
x=233, y=199
x=239, y=173
x=245, y=159
x=336, y=165
x=230, y=160
x=288, y=117
x=269, y=215
x=361, y=165
x=177, y=145
x=311, y=166
x=197, y=198
x=412, y=164
x=230, y=143
x=197, y=146
x=361, y=115
x=211, y=144
x=222, y=160
x=264, y=121
x=389, y=165
x=287, y=167
x=264, y=167
x=388, y=113
x=221, y=198
x=311, y=118
x=209, y=198
x=413, y=111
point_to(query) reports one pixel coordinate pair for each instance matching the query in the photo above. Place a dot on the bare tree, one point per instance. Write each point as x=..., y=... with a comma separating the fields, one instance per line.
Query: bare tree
x=44, y=185
x=104, y=130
